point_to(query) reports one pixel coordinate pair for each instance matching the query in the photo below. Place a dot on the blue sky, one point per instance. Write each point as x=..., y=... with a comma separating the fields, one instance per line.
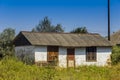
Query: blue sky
x=23, y=15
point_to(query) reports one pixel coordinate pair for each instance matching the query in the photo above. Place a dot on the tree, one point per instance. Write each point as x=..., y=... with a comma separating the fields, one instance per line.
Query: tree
x=7, y=34
x=79, y=30
x=46, y=26
x=6, y=38
x=58, y=28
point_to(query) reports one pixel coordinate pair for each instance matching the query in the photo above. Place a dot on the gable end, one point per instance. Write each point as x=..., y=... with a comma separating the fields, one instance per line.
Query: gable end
x=21, y=40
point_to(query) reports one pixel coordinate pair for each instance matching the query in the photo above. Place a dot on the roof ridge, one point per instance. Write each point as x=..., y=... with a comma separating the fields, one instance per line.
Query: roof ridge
x=60, y=33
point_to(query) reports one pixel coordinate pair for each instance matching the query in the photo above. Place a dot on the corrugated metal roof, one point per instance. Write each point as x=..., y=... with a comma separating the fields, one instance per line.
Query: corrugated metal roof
x=65, y=39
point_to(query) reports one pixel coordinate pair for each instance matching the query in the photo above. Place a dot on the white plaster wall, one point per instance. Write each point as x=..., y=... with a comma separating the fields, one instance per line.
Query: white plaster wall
x=24, y=50
x=40, y=53
x=80, y=56
x=62, y=57
x=103, y=53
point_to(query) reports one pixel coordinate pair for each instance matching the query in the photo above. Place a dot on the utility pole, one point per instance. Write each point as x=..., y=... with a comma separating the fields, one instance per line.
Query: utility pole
x=109, y=20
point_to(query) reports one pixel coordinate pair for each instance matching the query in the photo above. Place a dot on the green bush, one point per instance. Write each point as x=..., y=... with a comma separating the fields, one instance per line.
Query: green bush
x=115, y=56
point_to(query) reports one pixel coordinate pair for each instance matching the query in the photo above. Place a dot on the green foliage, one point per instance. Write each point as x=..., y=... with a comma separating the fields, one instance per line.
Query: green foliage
x=58, y=28
x=79, y=30
x=6, y=38
x=46, y=26
x=8, y=34
x=25, y=58
x=13, y=69
x=115, y=57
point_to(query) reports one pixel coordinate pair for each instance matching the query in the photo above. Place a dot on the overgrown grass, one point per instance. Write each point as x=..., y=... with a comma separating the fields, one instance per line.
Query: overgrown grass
x=12, y=69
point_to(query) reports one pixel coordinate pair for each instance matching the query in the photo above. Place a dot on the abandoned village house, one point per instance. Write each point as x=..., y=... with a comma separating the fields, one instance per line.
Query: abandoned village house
x=66, y=49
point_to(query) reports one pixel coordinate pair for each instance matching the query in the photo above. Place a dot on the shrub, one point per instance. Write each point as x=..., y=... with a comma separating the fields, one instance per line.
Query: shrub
x=115, y=56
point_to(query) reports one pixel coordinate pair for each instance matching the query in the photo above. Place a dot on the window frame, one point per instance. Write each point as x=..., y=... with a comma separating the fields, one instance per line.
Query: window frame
x=91, y=54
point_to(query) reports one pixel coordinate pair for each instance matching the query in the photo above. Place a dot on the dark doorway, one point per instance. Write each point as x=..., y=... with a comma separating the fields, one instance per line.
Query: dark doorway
x=70, y=57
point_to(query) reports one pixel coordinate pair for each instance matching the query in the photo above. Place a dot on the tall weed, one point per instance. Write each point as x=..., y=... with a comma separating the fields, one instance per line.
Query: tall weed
x=13, y=69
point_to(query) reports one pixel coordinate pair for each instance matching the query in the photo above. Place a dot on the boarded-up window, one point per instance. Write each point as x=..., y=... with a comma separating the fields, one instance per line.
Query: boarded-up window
x=91, y=54
x=52, y=56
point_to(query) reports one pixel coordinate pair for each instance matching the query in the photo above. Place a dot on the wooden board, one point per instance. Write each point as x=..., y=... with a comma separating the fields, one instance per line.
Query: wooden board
x=52, y=55
x=70, y=57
